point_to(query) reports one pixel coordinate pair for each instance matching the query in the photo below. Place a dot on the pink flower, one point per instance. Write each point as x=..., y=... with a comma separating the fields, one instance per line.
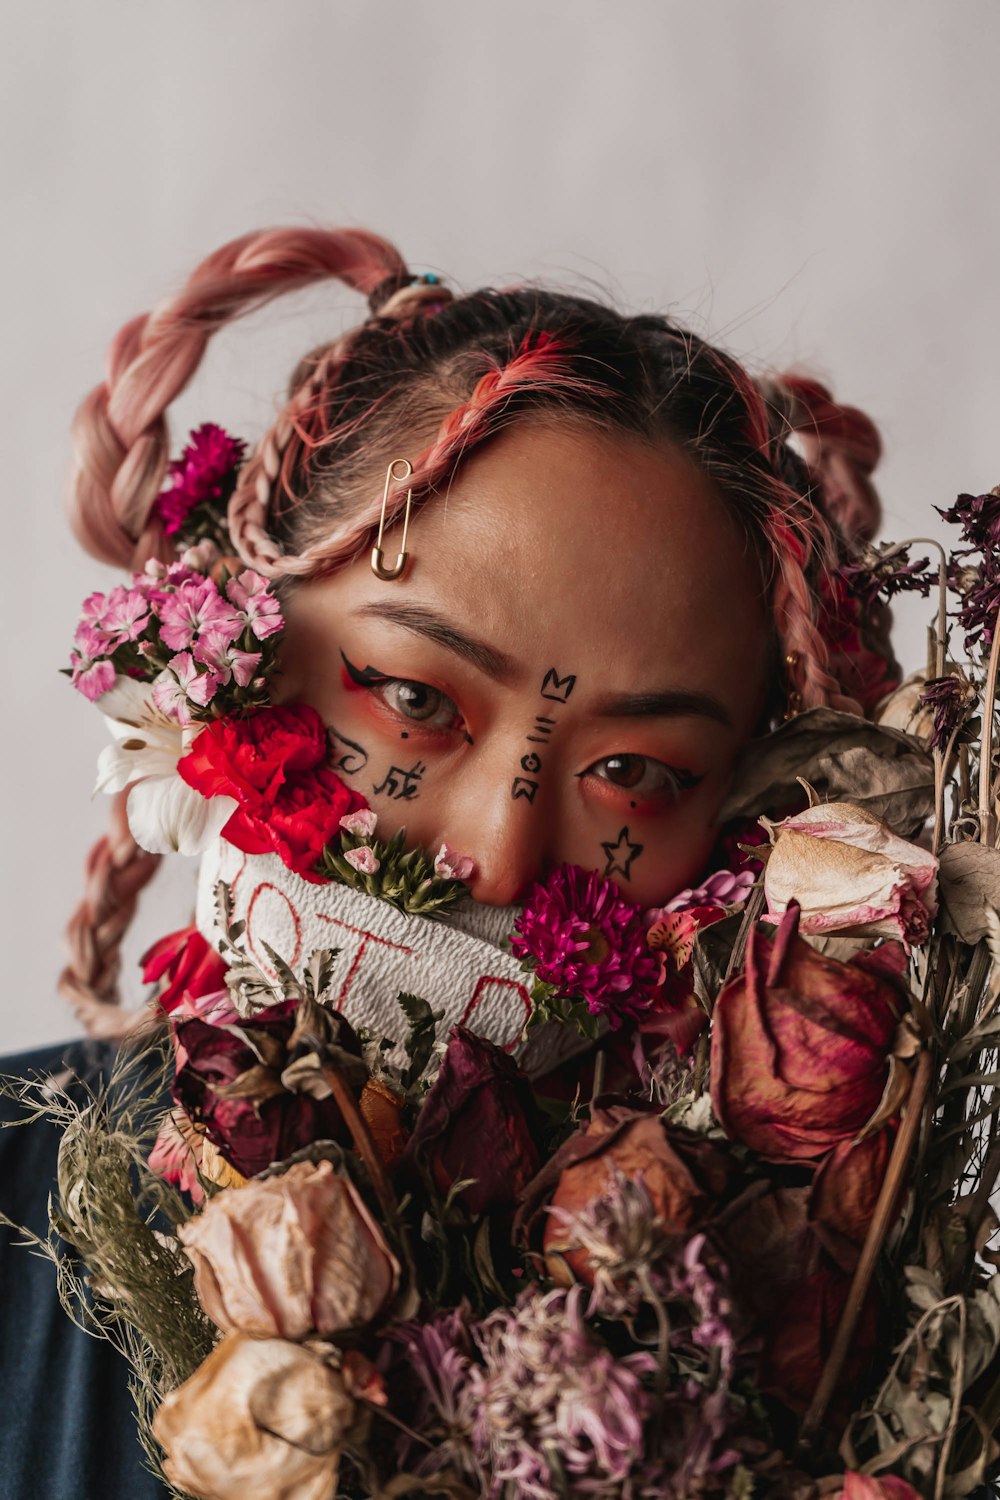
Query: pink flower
x=126, y=615
x=91, y=640
x=361, y=823
x=850, y=873
x=225, y=660
x=89, y=677
x=259, y=608
x=363, y=859
x=205, y=471
x=197, y=606
x=453, y=866
x=587, y=941
x=724, y=888
x=176, y=1155
x=175, y=690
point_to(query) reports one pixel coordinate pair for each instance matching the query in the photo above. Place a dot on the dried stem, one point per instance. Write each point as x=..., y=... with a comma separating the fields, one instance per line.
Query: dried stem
x=986, y=818
x=367, y=1150
x=877, y=1231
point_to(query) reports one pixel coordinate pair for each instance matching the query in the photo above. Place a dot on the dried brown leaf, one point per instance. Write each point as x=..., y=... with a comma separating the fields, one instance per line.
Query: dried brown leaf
x=969, y=888
x=841, y=756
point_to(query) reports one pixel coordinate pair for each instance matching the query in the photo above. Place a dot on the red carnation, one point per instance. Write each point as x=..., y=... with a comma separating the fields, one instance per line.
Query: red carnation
x=191, y=966
x=272, y=763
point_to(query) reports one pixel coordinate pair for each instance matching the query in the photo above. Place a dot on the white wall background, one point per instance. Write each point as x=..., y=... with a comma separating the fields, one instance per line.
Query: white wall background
x=812, y=183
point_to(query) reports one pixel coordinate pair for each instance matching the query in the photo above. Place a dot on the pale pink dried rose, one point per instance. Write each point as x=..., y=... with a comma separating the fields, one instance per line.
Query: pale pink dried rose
x=289, y=1256
x=850, y=874
x=260, y=1419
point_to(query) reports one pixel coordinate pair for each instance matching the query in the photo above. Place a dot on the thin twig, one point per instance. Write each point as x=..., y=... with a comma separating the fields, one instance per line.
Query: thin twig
x=877, y=1231
x=986, y=818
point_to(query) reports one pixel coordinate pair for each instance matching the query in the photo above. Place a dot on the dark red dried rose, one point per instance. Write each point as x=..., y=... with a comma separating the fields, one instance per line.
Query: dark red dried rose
x=845, y=1191
x=234, y=1089
x=478, y=1120
x=272, y=763
x=798, y=1340
x=800, y=1047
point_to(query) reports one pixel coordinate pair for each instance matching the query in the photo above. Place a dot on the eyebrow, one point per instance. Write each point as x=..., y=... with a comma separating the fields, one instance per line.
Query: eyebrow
x=673, y=704
x=422, y=621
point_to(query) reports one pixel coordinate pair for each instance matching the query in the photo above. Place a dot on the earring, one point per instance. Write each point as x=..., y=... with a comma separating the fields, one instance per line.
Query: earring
x=378, y=559
x=794, y=703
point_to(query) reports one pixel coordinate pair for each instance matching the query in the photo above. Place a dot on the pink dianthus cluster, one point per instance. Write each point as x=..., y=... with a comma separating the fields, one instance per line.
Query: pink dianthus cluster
x=174, y=627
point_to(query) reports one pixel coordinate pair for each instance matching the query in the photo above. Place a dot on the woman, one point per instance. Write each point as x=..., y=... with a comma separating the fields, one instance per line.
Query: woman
x=545, y=570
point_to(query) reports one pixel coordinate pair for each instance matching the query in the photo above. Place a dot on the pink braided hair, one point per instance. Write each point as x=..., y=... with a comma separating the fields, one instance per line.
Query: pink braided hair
x=120, y=455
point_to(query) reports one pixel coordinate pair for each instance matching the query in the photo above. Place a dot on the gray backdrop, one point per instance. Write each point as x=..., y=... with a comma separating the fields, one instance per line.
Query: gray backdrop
x=810, y=183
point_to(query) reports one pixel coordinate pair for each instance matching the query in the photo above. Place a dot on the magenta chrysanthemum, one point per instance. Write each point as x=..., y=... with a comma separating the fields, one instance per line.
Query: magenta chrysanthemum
x=203, y=472
x=587, y=941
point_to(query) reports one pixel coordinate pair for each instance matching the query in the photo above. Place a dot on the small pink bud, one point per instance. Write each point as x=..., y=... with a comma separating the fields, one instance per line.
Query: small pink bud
x=453, y=866
x=363, y=859
x=360, y=823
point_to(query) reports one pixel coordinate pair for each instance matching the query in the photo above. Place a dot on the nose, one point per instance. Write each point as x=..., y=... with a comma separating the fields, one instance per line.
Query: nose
x=506, y=836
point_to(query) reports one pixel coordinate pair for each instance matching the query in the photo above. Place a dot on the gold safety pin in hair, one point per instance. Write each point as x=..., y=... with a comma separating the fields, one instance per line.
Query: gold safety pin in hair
x=378, y=559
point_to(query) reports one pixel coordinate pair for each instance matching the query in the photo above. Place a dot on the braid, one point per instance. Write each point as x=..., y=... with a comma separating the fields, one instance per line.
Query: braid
x=120, y=455
x=117, y=870
x=120, y=431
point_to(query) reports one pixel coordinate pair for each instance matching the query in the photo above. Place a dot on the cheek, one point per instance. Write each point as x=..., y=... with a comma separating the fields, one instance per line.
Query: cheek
x=650, y=859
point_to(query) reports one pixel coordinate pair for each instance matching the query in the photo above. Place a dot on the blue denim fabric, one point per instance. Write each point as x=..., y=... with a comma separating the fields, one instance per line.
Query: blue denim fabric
x=67, y=1429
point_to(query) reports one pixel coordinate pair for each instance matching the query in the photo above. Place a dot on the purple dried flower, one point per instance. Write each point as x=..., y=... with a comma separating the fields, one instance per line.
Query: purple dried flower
x=622, y=1239
x=979, y=518
x=979, y=587
x=438, y=1355
x=589, y=943
x=950, y=698
x=204, y=472
x=556, y=1412
x=881, y=572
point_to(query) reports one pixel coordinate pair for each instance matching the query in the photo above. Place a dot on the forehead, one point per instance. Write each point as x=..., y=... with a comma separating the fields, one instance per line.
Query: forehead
x=557, y=537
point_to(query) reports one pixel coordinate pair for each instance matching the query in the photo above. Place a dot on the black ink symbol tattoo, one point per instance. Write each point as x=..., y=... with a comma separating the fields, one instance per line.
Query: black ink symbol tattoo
x=531, y=763
x=621, y=855
x=523, y=786
x=401, y=785
x=346, y=757
x=557, y=689
x=543, y=728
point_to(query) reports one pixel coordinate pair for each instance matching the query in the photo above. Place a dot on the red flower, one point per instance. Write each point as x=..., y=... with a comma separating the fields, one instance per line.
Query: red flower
x=239, y=1100
x=478, y=1120
x=191, y=966
x=272, y=763
x=800, y=1047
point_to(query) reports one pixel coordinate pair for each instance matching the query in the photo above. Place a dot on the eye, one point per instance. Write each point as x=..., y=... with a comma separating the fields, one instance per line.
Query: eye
x=642, y=776
x=415, y=700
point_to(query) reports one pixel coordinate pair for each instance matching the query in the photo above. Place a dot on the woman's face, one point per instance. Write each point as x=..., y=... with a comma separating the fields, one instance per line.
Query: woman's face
x=565, y=672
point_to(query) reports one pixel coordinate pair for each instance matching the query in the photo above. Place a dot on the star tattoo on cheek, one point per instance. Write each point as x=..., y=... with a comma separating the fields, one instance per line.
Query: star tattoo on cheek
x=621, y=855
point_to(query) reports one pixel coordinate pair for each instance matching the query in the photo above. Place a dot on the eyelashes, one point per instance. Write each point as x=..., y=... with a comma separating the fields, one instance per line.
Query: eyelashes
x=638, y=777
x=362, y=676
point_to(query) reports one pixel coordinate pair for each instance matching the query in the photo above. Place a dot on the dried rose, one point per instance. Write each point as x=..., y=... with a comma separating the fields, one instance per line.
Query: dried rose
x=289, y=1256
x=850, y=873
x=798, y=1340
x=800, y=1047
x=478, y=1121
x=845, y=1191
x=260, y=1419
x=683, y=1174
x=229, y=1081
x=191, y=967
